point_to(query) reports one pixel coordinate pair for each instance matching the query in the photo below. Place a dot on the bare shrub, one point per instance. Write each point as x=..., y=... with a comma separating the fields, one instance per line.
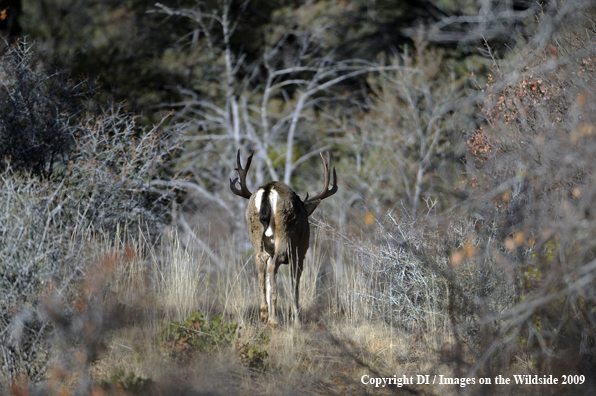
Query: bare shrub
x=36, y=105
x=32, y=252
x=116, y=175
x=100, y=174
x=408, y=143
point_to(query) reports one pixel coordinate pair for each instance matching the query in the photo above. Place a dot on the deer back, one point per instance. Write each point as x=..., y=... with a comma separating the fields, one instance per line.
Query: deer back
x=277, y=219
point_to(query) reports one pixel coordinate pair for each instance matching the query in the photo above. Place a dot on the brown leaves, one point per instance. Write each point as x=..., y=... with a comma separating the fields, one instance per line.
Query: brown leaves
x=369, y=218
x=481, y=144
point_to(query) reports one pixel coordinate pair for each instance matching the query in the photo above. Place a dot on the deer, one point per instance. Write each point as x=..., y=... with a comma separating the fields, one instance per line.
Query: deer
x=279, y=231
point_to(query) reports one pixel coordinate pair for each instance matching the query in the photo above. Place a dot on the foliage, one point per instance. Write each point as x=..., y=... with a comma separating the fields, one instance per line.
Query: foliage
x=196, y=334
x=499, y=262
x=141, y=55
x=115, y=39
x=253, y=355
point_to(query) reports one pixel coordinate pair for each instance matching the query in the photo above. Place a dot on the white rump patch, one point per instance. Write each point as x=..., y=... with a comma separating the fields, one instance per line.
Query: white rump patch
x=273, y=197
x=258, y=198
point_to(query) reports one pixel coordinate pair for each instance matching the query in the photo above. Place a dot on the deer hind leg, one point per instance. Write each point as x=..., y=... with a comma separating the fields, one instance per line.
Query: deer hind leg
x=296, y=273
x=261, y=260
x=271, y=290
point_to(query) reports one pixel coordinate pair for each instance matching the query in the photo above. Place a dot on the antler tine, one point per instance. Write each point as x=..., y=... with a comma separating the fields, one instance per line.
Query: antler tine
x=325, y=192
x=243, y=191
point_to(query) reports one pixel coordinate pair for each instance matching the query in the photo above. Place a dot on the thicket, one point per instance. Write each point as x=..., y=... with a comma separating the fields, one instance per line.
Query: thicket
x=67, y=176
x=513, y=263
x=533, y=171
x=519, y=271
x=36, y=106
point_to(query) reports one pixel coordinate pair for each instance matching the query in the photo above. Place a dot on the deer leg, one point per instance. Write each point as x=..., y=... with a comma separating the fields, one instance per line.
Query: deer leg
x=261, y=260
x=297, y=266
x=272, y=267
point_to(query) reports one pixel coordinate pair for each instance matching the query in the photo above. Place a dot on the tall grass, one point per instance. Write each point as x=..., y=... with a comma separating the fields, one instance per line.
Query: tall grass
x=384, y=312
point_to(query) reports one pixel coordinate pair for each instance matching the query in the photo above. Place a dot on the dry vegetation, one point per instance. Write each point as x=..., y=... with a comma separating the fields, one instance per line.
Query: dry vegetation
x=125, y=302
x=119, y=276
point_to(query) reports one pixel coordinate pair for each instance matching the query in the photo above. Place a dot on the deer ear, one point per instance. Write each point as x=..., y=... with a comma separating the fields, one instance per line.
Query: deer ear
x=310, y=206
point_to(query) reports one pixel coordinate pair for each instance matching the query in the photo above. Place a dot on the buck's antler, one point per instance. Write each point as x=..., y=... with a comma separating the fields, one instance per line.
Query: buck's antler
x=325, y=192
x=243, y=191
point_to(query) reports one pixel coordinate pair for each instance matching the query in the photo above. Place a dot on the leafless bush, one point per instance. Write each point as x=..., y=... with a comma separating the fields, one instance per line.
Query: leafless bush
x=408, y=143
x=82, y=319
x=32, y=252
x=116, y=175
x=515, y=261
x=36, y=105
x=420, y=275
x=101, y=175
x=63, y=326
x=45, y=246
x=401, y=288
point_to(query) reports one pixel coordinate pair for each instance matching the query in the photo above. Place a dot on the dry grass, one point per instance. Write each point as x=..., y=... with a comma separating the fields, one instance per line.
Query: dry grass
x=327, y=355
x=352, y=326
x=136, y=286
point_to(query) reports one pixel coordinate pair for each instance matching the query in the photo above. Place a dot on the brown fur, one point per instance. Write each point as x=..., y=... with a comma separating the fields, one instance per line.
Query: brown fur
x=291, y=233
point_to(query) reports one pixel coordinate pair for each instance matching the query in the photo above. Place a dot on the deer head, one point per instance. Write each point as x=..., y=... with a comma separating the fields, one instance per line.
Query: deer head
x=279, y=232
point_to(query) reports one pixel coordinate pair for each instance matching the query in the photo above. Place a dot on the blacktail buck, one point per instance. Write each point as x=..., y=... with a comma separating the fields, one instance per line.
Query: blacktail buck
x=279, y=232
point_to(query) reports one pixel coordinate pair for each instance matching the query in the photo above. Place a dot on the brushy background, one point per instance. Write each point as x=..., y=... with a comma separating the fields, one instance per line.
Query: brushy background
x=461, y=242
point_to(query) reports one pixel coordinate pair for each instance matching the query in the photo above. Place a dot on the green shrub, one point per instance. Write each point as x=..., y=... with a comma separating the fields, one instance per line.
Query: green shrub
x=253, y=356
x=196, y=334
x=129, y=383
